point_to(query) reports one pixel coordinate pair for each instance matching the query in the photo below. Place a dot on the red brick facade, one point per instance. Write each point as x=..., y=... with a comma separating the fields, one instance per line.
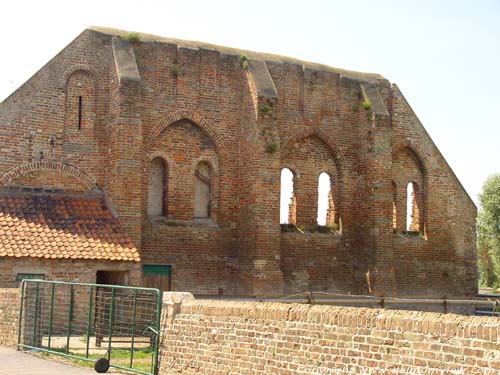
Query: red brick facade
x=224, y=123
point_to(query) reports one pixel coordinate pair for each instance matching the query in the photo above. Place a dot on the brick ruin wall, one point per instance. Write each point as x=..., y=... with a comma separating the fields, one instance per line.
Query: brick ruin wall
x=211, y=111
x=215, y=338
x=221, y=337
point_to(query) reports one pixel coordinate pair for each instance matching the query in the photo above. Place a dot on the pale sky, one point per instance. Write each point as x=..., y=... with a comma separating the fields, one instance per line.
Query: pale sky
x=444, y=55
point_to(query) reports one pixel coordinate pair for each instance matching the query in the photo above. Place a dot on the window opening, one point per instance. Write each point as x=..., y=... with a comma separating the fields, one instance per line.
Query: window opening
x=288, y=204
x=80, y=102
x=394, y=206
x=326, y=208
x=412, y=208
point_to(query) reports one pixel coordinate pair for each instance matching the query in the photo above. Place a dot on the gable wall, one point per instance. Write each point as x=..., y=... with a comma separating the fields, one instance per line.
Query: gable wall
x=221, y=102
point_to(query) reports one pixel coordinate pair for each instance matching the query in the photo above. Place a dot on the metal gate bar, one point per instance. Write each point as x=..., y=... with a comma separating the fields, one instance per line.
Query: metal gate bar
x=54, y=312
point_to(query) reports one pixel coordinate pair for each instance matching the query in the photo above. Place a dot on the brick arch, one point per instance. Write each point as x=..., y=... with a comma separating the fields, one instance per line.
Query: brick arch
x=422, y=161
x=416, y=150
x=338, y=156
x=80, y=68
x=15, y=172
x=206, y=126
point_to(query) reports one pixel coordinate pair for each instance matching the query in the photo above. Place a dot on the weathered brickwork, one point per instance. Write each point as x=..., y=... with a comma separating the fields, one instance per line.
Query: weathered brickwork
x=9, y=313
x=222, y=123
x=269, y=338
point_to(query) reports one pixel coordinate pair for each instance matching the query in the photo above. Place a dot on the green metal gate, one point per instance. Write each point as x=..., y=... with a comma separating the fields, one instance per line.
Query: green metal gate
x=109, y=325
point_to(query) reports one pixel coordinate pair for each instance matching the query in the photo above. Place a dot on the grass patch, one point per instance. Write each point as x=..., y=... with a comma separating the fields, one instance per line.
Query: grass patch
x=244, y=61
x=366, y=105
x=265, y=108
x=121, y=357
x=271, y=148
x=133, y=37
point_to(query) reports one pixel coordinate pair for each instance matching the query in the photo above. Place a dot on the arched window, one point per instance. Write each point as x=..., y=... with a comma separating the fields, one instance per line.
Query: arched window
x=80, y=97
x=202, y=201
x=326, y=205
x=394, y=206
x=157, y=188
x=413, y=207
x=288, y=204
x=408, y=176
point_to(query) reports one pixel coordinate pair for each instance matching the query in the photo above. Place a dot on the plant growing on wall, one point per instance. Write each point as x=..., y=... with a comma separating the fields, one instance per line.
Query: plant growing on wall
x=133, y=37
x=265, y=108
x=175, y=70
x=244, y=61
x=268, y=130
x=271, y=148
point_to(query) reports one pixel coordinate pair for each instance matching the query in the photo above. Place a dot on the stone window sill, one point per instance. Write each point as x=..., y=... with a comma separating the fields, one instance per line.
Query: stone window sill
x=320, y=230
x=196, y=222
x=410, y=235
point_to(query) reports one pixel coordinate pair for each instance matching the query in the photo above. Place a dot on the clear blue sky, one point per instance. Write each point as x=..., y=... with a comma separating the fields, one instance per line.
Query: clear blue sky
x=444, y=55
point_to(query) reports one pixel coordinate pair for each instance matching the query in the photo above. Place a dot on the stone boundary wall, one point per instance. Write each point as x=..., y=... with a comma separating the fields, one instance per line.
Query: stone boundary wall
x=9, y=310
x=220, y=337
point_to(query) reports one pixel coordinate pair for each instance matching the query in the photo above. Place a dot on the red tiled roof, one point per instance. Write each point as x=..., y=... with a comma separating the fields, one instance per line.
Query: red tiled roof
x=56, y=226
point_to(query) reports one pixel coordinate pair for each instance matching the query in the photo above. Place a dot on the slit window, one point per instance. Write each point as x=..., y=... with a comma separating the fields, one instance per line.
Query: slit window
x=394, y=206
x=80, y=104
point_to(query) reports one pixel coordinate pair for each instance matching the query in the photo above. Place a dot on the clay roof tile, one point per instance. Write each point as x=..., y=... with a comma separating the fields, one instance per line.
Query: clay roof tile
x=70, y=227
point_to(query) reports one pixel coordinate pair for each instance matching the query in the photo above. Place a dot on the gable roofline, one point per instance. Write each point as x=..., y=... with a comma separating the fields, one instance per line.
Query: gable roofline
x=450, y=169
x=41, y=69
x=372, y=78
x=150, y=38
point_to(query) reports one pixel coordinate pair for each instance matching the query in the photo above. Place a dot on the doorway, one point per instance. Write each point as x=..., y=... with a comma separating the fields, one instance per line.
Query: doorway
x=157, y=276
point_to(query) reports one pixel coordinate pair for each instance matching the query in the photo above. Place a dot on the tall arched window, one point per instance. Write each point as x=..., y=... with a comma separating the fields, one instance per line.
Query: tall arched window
x=157, y=188
x=326, y=205
x=202, y=201
x=288, y=205
x=408, y=176
x=413, y=207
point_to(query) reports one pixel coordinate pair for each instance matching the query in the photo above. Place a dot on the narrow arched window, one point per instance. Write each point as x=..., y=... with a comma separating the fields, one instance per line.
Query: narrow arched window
x=80, y=98
x=413, y=207
x=288, y=204
x=157, y=188
x=326, y=205
x=394, y=206
x=203, y=181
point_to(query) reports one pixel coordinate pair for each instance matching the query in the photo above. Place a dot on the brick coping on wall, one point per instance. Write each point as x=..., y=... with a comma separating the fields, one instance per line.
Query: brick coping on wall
x=221, y=337
x=480, y=327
